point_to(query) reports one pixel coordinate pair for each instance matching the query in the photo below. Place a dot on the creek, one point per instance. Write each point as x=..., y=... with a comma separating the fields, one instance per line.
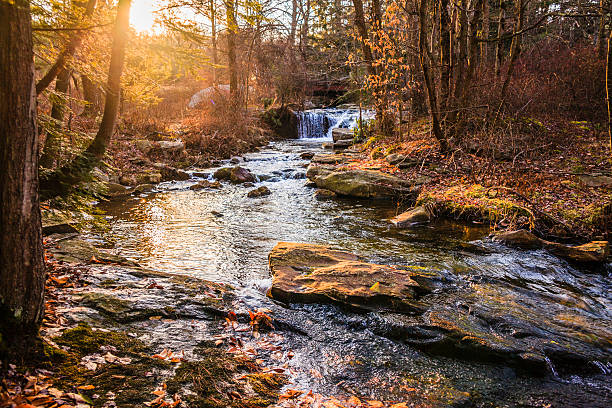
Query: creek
x=224, y=236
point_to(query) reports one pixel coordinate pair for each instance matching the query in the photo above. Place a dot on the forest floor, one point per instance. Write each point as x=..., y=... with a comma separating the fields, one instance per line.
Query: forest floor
x=553, y=176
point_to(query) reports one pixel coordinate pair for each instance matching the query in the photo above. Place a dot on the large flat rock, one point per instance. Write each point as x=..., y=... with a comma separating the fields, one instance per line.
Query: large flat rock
x=442, y=313
x=308, y=273
x=364, y=184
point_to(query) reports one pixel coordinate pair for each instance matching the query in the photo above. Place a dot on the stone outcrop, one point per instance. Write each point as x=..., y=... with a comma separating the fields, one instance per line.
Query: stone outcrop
x=443, y=313
x=417, y=215
x=307, y=273
x=362, y=183
x=259, y=192
x=592, y=252
x=241, y=175
x=342, y=134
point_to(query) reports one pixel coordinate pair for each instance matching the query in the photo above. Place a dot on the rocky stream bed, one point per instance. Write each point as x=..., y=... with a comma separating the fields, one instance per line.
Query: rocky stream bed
x=437, y=314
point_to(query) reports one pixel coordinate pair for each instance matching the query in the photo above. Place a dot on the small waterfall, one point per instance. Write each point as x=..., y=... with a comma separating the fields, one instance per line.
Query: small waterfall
x=319, y=123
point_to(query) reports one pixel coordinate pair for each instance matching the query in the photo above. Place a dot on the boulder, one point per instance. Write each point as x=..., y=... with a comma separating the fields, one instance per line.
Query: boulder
x=339, y=134
x=143, y=188
x=315, y=170
x=327, y=145
x=309, y=273
x=223, y=173
x=169, y=146
x=436, y=311
x=241, y=175
x=282, y=121
x=322, y=194
x=114, y=190
x=400, y=160
x=98, y=174
x=366, y=184
x=416, y=215
x=259, y=192
x=127, y=180
x=170, y=174
x=200, y=174
x=592, y=252
x=307, y=155
x=205, y=184
x=343, y=144
x=149, y=177
x=519, y=238
x=144, y=146
x=234, y=160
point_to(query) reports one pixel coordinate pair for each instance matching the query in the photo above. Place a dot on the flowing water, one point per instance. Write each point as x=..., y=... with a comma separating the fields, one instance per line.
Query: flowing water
x=319, y=123
x=223, y=236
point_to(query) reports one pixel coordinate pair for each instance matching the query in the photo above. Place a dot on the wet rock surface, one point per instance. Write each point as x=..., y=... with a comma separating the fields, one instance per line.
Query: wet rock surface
x=441, y=313
x=591, y=252
x=364, y=184
x=417, y=215
x=259, y=192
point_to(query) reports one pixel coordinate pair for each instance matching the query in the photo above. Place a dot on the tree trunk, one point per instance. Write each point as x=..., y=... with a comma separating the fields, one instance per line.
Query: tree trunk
x=425, y=58
x=232, y=28
x=445, y=54
x=62, y=180
x=515, y=48
x=213, y=37
x=498, y=44
x=609, y=88
x=92, y=95
x=73, y=43
x=54, y=138
x=304, y=28
x=601, y=40
x=22, y=275
x=362, y=30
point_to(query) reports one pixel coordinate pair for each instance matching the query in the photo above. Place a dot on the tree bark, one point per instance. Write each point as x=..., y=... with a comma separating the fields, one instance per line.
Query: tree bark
x=232, y=27
x=58, y=110
x=22, y=274
x=73, y=43
x=62, y=180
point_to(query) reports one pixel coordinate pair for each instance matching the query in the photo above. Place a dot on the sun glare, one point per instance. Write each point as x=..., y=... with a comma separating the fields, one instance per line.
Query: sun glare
x=142, y=17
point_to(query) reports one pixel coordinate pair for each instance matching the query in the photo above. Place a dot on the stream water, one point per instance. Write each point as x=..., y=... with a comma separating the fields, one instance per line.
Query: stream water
x=223, y=236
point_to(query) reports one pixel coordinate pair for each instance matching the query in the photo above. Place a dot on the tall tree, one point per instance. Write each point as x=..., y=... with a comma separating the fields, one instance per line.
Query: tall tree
x=22, y=273
x=232, y=28
x=62, y=180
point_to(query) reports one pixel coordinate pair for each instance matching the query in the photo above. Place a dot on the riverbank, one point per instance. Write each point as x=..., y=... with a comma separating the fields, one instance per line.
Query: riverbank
x=554, y=178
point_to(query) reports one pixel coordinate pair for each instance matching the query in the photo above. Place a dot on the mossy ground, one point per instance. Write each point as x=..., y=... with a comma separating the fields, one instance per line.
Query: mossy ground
x=219, y=379
x=130, y=385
